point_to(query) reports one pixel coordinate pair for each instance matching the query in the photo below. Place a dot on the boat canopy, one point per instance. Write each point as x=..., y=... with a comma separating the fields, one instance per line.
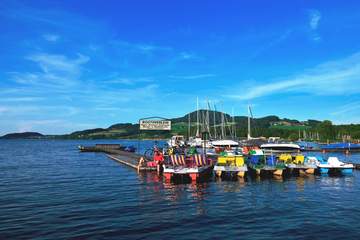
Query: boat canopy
x=224, y=143
x=280, y=146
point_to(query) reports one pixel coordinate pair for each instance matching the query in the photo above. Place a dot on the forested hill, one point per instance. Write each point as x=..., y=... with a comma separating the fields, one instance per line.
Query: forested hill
x=265, y=126
x=218, y=122
x=24, y=135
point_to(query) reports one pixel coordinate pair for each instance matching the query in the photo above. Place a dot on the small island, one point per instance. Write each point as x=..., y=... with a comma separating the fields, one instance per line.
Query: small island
x=23, y=135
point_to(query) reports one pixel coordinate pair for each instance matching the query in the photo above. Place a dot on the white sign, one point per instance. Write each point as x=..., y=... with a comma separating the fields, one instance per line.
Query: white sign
x=155, y=125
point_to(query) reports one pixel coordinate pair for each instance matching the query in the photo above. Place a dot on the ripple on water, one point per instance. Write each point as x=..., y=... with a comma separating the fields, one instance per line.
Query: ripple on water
x=50, y=191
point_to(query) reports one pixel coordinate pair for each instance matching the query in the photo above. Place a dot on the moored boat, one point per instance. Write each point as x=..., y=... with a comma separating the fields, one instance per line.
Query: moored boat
x=193, y=166
x=230, y=164
x=280, y=148
x=262, y=163
x=333, y=165
x=298, y=162
x=335, y=147
x=176, y=141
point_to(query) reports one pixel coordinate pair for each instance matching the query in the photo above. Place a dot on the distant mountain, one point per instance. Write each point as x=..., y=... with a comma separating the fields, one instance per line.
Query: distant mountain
x=24, y=135
x=219, y=123
x=265, y=126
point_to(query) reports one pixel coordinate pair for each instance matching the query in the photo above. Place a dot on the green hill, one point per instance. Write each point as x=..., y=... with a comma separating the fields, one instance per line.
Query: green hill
x=24, y=135
x=265, y=126
x=237, y=126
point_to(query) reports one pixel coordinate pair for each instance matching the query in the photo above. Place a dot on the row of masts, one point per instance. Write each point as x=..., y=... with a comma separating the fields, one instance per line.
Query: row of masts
x=227, y=125
x=311, y=135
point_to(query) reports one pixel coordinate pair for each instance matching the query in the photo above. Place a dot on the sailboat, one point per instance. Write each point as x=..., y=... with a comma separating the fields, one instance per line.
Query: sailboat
x=230, y=161
x=259, y=161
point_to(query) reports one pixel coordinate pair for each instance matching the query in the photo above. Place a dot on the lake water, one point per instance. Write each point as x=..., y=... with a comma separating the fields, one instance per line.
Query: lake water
x=48, y=190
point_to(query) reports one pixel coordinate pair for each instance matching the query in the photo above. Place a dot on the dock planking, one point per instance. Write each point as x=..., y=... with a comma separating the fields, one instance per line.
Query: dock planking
x=112, y=151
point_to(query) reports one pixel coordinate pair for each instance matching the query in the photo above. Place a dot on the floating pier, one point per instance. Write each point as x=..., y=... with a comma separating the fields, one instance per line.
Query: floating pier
x=100, y=148
x=113, y=152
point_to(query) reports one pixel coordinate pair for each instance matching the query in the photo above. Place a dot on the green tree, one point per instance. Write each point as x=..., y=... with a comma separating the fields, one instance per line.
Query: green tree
x=326, y=130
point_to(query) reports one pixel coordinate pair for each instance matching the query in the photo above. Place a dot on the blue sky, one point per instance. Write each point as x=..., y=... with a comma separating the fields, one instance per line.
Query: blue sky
x=70, y=65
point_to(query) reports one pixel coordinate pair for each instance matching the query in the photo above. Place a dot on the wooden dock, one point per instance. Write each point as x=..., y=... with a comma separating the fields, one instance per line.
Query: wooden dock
x=113, y=152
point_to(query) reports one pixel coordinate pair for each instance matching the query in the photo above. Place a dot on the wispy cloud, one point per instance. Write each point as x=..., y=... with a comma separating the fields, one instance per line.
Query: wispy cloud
x=350, y=107
x=140, y=47
x=3, y=110
x=330, y=78
x=56, y=70
x=275, y=41
x=113, y=97
x=21, y=99
x=117, y=79
x=51, y=62
x=192, y=77
x=25, y=110
x=51, y=126
x=51, y=37
x=314, y=20
x=189, y=56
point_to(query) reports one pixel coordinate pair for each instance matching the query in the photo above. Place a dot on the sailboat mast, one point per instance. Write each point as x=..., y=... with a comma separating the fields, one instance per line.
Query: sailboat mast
x=215, y=135
x=197, y=117
x=222, y=125
x=249, y=133
x=208, y=119
x=234, y=124
x=189, y=127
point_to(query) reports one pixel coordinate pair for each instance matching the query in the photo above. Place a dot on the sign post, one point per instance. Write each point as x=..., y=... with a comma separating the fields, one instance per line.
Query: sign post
x=146, y=124
x=154, y=123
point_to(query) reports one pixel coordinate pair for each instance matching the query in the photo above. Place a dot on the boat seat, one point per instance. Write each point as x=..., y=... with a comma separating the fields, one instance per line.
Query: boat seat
x=334, y=161
x=239, y=161
x=177, y=160
x=286, y=158
x=222, y=160
x=200, y=160
x=299, y=159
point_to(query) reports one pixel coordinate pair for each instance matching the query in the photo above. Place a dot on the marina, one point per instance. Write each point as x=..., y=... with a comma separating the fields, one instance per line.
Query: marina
x=205, y=120
x=223, y=162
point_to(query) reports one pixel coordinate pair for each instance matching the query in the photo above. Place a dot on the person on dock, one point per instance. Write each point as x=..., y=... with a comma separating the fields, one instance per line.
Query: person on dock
x=158, y=158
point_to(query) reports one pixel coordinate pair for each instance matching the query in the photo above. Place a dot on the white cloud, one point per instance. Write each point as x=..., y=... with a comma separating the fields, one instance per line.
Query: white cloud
x=51, y=126
x=275, y=41
x=56, y=70
x=189, y=56
x=140, y=47
x=122, y=95
x=350, y=107
x=191, y=77
x=3, y=110
x=51, y=37
x=20, y=99
x=127, y=81
x=26, y=110
x=314, y=19
x=52, y=62
x=331, y=78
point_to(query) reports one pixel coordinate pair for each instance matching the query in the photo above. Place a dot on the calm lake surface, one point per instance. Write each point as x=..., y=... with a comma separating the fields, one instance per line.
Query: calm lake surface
x=48, y=190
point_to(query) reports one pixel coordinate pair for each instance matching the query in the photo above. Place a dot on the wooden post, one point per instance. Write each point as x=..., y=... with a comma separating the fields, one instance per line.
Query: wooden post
x=194, y=176
x=141, y=162
x=278, y=172
x=168, y=176
x=241, y=174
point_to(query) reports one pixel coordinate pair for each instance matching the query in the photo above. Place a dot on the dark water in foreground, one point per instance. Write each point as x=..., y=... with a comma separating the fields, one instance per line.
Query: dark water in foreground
x=48, y=190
